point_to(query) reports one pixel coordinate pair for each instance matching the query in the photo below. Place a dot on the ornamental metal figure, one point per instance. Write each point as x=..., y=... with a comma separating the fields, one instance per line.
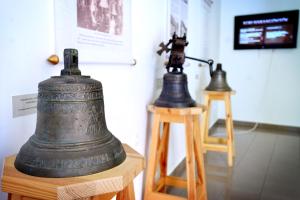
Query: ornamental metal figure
x=175, y=92
x=71, y=137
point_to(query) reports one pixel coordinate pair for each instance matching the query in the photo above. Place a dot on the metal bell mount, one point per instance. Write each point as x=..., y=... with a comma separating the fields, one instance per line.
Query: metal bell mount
x=175, y=92
x=71, y=137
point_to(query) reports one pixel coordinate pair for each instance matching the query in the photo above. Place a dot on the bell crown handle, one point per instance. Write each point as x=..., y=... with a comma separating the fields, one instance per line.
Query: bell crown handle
x=70, y=62
x=219, y=67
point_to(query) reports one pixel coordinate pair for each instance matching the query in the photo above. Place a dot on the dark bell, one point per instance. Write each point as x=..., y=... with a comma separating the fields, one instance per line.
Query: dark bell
x=175, y=93
x=218, y=80
x=71, y=137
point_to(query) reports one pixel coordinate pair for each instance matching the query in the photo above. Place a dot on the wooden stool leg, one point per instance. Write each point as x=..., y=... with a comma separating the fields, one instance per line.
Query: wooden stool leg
x=207, y=118
x=127, y=193
x=233, y=139
x=149, y=186
x=190, y=161
x=229, y=130
x=199, y=159
x=231, y=127
x=164, y=145
x=204, y=126
x=161, y=159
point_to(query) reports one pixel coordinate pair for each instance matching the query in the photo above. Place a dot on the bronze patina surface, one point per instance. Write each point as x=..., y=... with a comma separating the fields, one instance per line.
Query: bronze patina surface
x=218, y=80
x=71, y=136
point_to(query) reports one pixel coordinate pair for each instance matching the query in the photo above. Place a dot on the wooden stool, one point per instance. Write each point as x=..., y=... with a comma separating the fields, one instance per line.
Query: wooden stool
x=218, y=143
x=158, y=155
x=104, y=185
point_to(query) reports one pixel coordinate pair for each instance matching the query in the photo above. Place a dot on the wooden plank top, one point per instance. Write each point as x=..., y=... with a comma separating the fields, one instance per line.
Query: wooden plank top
x=109, y=181
x=177, y=111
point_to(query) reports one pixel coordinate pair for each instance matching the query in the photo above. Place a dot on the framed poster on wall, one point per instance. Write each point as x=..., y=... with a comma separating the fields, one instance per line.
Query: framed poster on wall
x=99, y=29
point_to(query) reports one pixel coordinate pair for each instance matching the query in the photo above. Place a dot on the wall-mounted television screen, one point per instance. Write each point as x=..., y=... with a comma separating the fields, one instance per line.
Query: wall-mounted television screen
x=266, y=30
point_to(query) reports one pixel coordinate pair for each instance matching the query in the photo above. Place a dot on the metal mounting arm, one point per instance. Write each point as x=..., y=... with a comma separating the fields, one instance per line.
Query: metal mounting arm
x=210, y=63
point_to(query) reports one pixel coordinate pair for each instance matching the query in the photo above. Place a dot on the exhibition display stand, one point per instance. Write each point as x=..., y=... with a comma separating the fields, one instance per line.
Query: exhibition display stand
x=158, y=154
x=219, y=144
x=104, y=185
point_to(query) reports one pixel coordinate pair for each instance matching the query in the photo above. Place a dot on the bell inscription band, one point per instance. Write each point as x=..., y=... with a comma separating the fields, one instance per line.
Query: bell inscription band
x=71, y=137
x=218, y=80
x=175, y=92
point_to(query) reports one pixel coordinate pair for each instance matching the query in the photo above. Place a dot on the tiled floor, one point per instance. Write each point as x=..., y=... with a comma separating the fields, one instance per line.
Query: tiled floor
x=267, y=167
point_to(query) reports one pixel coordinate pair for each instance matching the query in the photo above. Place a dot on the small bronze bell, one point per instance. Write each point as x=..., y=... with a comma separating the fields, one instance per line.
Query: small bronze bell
x=218, y=80
x=175, y=92
x=71, y=137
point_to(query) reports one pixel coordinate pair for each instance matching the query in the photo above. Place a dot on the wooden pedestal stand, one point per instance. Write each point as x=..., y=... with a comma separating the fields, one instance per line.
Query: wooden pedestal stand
x=218, y=143
x=104, y=185
x=158, y=155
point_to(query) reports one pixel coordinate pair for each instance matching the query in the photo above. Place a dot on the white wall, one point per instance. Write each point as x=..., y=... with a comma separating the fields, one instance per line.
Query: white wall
x=27, y=39
x=267, y=81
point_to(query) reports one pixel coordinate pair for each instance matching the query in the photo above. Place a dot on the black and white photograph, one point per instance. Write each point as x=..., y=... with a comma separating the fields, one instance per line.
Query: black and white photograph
x=100, y=29
x=101, y=15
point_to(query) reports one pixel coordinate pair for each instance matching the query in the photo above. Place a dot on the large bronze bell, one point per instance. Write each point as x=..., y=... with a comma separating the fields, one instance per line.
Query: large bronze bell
x=175, y=92
x=218, y=80
x=71, y=137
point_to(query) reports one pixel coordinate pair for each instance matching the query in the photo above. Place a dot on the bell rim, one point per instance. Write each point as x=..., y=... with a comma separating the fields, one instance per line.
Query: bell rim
x=219, y=89
x=173, y=104
x=49, y=173
x=23, y=162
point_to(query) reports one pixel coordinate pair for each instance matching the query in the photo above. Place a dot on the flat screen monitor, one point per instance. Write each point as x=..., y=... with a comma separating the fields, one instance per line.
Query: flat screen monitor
x=266, y=30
